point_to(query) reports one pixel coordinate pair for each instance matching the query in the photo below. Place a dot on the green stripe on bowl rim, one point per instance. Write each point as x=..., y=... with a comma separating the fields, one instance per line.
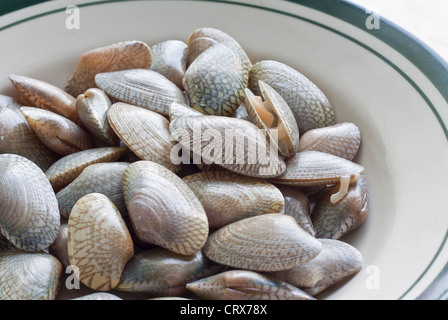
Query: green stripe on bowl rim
x=420, y=55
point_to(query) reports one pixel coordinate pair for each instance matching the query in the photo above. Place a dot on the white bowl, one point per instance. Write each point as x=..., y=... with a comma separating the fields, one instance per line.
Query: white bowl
x=387, y=83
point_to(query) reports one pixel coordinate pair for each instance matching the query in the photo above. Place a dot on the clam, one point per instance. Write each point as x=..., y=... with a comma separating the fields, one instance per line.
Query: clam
x=145, y=132
x=228, y=197
x=59, y=246
x=336, y=262
x=99, y=296
x=245, y=285
x=203, y=38
x=29, y=215
x=342, y=140
x=297, y=205
x=164, y=273
x=41, y=94
x=216, y=80
x=308, y=103
x=314, y=168
x=333, y=221
x=275, y=117
x=29, y=276
x=66, y=169
x=99, y=243
x=170, y=60
x=234, y=144
x=162, y=208
x=268, y=242
x=141, y=87
x=119, y=56
x=92, y=107
x=104, y=178
x=17, y=137
x=57, y=132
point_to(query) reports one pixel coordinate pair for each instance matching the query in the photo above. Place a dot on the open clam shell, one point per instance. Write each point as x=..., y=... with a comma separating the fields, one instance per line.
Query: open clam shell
x=314, y=168
x=332, y=221
x=308, y=103
x=41, y=94
x=228, y=197
x=162, y=208
x=99, y=243
x=268, y=242
x=29, y=215
x=141, y=87
x=92, y=107
x=170, y=60
x=342, y=140
x=66, y=169
x=104, y=178
x=234, y=144
x=29, y=276
x=164, y=273
x=119, y=56
x=336, y=261
x=275, y=117
x=245, y=285
x=18, y=137
x=57, y=132
x=216, y=80
x=146, y=133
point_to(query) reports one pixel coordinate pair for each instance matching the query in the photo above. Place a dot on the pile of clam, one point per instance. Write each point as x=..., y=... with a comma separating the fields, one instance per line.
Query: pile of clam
x=108, y=180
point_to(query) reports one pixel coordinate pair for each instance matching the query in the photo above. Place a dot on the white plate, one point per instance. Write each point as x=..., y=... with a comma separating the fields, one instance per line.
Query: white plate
x=381, y=79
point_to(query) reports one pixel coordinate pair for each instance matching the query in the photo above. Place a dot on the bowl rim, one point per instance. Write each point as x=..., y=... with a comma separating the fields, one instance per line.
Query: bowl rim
x=430, y=63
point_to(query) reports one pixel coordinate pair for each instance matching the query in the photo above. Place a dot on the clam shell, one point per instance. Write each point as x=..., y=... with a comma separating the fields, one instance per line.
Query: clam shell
x=164, y=273
x=216, y=80
x=104, y=178
x=268, y=242
x=17, y=137
x=29, y=215
x=336, y=261
x=145, y=132
x=284, y=119
x=210, y=140
x=245, y=285
x=141, y=87
x=162, y=209
x=57, y=132
x=308, y=103
x=342, y=140
x=333, y=221
x=41, y=94
x=92, y=107
x=99, y=243
x=179, y=110
x=119, y=56
x=170, y=60
x=29, y=276
x=202, y=38
x=65, y=170
x=297, y=205
x=59, y=247
x=228, y=197
x=314, y=168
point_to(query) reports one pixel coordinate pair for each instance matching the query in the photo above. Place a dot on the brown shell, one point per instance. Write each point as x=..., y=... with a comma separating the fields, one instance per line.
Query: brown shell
x=29, y=215
x=228, y=197
x=162, y=209
x=145, y=132
x=118, y=56
x=99, y=243
x=268, y=242
x=65, y=170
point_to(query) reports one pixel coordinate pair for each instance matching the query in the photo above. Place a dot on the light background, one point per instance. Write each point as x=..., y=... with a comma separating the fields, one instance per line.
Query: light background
x=426, y=19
